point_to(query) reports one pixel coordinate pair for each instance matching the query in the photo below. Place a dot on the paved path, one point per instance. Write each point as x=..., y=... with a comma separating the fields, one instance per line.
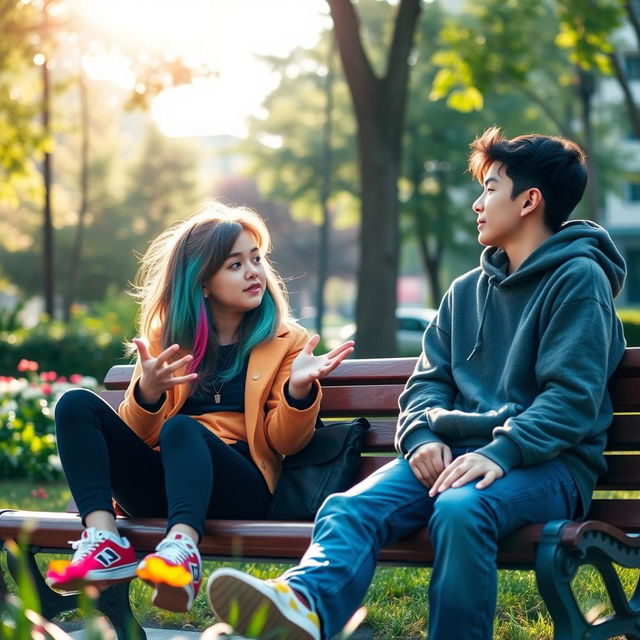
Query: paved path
x=363, y=633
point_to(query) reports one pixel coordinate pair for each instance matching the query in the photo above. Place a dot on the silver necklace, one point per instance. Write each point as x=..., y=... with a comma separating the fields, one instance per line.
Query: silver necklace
x=217, y=390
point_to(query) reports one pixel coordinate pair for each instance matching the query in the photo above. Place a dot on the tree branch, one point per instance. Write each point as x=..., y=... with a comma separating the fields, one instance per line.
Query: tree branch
x=633, y=18
x=534, y=97
x=362, y=82
x=629, y=101
x=396, y=78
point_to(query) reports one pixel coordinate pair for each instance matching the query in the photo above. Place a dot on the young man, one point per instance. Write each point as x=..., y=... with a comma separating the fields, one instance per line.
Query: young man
x=502, y=422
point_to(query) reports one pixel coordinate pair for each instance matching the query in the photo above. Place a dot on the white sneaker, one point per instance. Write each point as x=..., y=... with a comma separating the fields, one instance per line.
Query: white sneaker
x=242, y=601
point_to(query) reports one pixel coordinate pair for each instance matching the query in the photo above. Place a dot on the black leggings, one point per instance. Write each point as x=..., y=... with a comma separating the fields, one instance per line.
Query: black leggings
x=194, y=476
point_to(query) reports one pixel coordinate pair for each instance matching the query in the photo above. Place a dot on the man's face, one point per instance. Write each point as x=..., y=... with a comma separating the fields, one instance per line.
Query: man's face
x=499, y=219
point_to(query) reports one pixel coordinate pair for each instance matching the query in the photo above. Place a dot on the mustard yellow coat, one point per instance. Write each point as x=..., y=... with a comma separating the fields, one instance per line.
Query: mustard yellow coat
x=274, y=428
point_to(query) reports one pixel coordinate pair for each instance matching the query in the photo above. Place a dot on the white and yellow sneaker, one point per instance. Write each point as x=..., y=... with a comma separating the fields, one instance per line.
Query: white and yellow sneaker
x=247, y=603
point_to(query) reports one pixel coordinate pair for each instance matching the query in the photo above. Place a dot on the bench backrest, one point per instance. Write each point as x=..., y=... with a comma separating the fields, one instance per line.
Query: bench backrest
x=371, y=388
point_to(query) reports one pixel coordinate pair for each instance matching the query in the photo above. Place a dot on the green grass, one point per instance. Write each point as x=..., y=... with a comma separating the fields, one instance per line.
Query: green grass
x=396, y=601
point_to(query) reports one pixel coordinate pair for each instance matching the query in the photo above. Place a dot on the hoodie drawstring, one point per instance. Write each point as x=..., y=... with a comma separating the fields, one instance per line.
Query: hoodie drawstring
x=477, y=346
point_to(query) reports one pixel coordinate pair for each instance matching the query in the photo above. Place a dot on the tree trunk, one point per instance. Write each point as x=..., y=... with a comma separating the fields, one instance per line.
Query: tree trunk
x=379, y=105
x=325, y=190
x=47, y=227
x=586, y=88
x=76, y=251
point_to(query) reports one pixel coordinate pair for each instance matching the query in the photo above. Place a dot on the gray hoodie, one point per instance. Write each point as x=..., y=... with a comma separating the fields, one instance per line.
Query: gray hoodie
x=517, y=365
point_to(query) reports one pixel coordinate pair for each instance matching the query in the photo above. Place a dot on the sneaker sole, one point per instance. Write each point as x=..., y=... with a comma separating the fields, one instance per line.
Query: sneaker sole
x=97, y=578
x=170, y=598
x=232, y=592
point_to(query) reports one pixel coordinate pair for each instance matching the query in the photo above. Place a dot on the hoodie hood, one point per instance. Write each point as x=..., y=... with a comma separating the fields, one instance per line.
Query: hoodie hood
x=576, y=238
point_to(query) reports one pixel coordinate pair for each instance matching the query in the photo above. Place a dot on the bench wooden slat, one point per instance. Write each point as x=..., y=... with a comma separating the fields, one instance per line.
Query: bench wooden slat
x=113, y=398
x=630, y=365
x=623, y=513
x=624, y=433
x=369, y=400
x=625, y=394
x=369, y=371
x=248, y=540
x=623, y=473
x=363, y=371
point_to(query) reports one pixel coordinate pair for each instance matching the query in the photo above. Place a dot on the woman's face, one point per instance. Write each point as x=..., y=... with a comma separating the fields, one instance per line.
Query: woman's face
x=239, y=285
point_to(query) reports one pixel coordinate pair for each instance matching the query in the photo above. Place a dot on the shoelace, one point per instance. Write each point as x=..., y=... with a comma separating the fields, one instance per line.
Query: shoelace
x=88, y=542
x=174, y=551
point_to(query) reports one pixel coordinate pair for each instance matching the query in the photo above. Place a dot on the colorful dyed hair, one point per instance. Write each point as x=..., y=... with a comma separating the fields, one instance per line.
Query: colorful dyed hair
x=170, y=282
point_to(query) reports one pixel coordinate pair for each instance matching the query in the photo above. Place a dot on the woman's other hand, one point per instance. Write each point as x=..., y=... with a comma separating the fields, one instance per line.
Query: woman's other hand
x=307, y=367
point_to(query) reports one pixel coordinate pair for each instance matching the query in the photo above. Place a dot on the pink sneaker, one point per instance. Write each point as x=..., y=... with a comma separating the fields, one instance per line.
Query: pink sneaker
x=101, y=558
x=175, y=570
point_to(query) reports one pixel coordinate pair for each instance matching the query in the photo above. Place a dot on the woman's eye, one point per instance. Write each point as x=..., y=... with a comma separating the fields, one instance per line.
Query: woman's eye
x=234, y=265
x=257, y=259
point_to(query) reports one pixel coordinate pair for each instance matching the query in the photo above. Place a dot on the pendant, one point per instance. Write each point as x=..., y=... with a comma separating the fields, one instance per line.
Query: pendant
x=217, y=398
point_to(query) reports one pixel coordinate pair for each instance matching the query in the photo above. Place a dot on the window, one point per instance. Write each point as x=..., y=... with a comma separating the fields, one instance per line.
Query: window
x=410, y=324
x=632, y=190
x=632, y=285
x=632, y=65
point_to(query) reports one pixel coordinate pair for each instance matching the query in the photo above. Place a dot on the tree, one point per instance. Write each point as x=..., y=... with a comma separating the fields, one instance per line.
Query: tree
x=20, y=137
x=539, y=48
x=379, y=105
x=302, y=157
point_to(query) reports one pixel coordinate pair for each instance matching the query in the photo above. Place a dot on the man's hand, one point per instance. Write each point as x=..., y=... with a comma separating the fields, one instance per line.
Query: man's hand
x=464, y=469
x=429, y=461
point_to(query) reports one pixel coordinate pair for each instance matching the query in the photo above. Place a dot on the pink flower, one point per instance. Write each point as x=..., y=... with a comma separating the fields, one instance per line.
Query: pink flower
x=39, y=493
x=48, y=376
x=47, y=389
x=27, y=365
x=62, y=379
x=75, y=378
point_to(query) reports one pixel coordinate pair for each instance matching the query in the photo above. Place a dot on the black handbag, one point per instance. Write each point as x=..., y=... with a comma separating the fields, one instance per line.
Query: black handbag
x=328, y=464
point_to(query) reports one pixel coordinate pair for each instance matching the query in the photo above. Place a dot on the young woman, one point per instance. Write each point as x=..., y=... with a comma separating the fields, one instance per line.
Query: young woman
x=225, y=384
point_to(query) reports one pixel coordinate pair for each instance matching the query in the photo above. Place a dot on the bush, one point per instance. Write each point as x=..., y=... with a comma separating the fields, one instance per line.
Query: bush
x=90, y=345
x=27, y=440
x=631, y=323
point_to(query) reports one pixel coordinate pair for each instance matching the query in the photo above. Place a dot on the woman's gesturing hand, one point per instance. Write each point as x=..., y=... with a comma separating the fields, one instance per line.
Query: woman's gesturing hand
x=157, y=373
x=306, y=367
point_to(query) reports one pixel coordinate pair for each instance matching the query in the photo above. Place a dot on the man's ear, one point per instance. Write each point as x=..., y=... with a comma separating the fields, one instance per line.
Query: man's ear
x=532, y=201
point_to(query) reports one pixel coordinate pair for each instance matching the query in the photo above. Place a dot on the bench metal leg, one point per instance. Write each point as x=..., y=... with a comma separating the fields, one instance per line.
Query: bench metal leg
x=556, y=567
x=113, y=602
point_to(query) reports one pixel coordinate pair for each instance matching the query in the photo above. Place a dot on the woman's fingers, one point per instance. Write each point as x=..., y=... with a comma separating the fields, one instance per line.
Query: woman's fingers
x=167, y=353
x=190, y=377
x=143, y=352
x=178, y=364
x=312, y=344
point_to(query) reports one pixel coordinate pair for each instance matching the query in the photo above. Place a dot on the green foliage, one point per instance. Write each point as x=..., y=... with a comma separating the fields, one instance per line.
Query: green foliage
x=631, y=323
x=88, y=344
x=27, y=431
x=21, y=137
x=585, y=30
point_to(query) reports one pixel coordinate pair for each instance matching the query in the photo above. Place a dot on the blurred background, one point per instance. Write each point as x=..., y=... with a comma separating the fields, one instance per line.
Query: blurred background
x=345, y=124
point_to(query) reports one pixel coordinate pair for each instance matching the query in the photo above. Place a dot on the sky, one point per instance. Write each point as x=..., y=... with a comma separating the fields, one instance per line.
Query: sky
x=225, y=35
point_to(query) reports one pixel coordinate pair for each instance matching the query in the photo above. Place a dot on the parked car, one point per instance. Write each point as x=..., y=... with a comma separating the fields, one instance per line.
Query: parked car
x=411, y=325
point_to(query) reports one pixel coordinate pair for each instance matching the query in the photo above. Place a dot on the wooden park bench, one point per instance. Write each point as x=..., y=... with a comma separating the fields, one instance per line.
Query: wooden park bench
x=370, y=388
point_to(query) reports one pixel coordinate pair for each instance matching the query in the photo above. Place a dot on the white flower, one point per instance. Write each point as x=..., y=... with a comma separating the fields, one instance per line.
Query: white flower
x=54, y=462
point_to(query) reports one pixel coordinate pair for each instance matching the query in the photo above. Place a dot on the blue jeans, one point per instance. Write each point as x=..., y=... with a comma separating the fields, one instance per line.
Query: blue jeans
x=464, y=526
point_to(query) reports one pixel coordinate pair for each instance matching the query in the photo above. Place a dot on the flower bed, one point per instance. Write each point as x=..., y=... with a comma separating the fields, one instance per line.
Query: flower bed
x=27, y=431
